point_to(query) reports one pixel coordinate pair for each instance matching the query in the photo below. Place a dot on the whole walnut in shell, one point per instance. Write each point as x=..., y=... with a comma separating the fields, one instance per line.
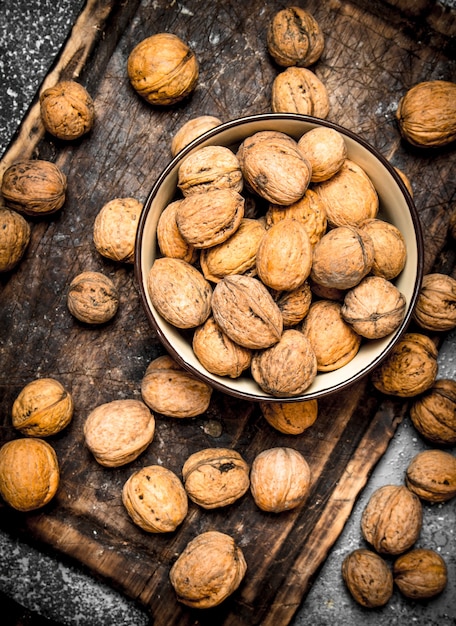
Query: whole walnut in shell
x=294, y=37
x=326, y=151
x=210, y=568
x=155, y=499
x=294, y=305
x=114, y=229
x=420, y=574
x=390, y=251
x=34, y=187
x=67, y=110
x=431, y=475
x=169, y=389
x=392, y=519
x=435, y=307
x=434, y=413
x=14, y=238
x=42, y=408
x=92, y=298
x=169, y=239
x=29, y=473
x=210, y=167
x=192, y=129
x=290, y=418
x=299, y=90
x=368, y=578
x=163, y=69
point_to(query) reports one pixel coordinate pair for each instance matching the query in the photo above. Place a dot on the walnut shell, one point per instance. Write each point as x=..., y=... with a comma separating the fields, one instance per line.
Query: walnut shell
x=245, y=311
x=294, y=37
x=349, y=196
x=326, y=151
x=435, y=307
x=374, y=308
x=290, y=418
x=215, y=477
x=273, y=167
x=163, y=69
x=67, y=110
x=117, y=432
x=426, y=114
x=170, y=241
x=299, y=90
x=14, y=238
x=34, y=187
x=420, y=574
x=288, y=367
x=294, y=305
x=114, y=229
x=210, y=167
x=368, y=578
x=390, y=251
x=179, y=292
x=155, y=499
x=280, y=479
x=334, y=342
x=210, y=568
x=431, y=475
x=405, y=179
x=192, y=129
x=29, y=473
x=92, y=298
x=409, y=369
x=434, y=413
x=43, y=408
x=170, y=390
x=452, y=224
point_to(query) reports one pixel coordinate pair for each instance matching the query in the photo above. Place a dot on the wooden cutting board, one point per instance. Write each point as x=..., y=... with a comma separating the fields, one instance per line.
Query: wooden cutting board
x=374, y=52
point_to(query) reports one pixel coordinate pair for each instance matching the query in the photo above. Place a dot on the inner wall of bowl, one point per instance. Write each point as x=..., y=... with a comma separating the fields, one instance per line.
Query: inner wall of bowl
x=393, y=208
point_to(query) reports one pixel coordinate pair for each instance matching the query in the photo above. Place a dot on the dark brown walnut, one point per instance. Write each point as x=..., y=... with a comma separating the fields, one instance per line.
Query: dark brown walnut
x=34, y=187
x=290, y=418
x=15, y=234
x=420, y=574
x=390, y=251
x=114, y=229
x=431, y=475
x=409, y=369
x=426, y=114
x=392, y=519
x=435, y=307
x=215, y=477
x=168, y=388
x=92, y=298
x=368, y=578
x=170, y=241
x=299, y=90
x=67, y=110
x=288, y=367
x=294, y=37
x=163, y=69
x=210, y=167
x=294, y=305
x=326, y=151
x=208, y=571
x=192, y=129
x=434, y=413
x=374, y=308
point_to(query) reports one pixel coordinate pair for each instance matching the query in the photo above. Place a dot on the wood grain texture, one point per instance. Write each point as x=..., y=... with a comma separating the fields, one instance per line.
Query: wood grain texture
x=373, y=53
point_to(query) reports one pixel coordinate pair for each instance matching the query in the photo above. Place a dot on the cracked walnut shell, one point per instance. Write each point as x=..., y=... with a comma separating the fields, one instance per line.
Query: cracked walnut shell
x=433, y=413
x=420, y=574
x=92, y=298
x=294, y=37
x=431, y=475
x=299, y=90
x=67, y=110
x=210, y=167
x=368, y=578
x=114, y=229
x=15, y=234
x=435, y=307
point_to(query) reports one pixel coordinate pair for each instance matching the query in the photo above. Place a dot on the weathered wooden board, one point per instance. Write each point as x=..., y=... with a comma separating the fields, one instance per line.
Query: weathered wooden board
x=374, y=52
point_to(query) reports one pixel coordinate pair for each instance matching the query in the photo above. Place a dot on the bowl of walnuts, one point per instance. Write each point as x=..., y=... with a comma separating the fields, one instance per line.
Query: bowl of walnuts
x=279, y=257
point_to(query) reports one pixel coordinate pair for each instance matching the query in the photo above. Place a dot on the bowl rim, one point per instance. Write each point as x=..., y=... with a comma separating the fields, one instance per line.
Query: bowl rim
x=140, y=276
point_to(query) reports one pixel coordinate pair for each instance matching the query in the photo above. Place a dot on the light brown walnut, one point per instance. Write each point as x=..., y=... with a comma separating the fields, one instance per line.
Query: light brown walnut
x=433, y=413
x=15, y=234
x=294, y=305
x=210, y=167
x=290, y=418
x=294, y=37
x=368, y=578
x=67, y=110
x=431, y=475
x=170, y=241
x=435, y=307
x=326, y=151
x=390, y=250
x=192, y=129
x=114, y=229
x=92, y=298
x=420, y=574
x=299, y=90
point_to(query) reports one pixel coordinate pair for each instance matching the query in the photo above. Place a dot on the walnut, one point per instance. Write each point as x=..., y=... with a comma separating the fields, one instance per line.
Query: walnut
x=172, y=391
x=368, y=578
x=299, y=90
x=210, y=568
x=334, y=342
x=420, y=574
x=280, y=479
x=210, y=167
x=92, y=298
x=34, y=187
x=434, y=413
x=431, y=475
x=327, y=293
x=452, y=224
x=163, y=69
x=170, y=241
x=67, y=110
x=288, y=367
x=290, y=418
x=426, y=114
x=117, y=432
x=405, y=179
x=29, y=473
x=326, y=151
x=215, y=477
x=409, y=369
x=155, y=499
x=273, y=167
x=349, y=196
x=294, y=37
x=43, y=408
x=435, y=307
x=390, y=251
x=374, y=308
x=179, y=292
x=294, y=305
x=192, y=129
x=14, y=238
x=114, y=229
x=392, y=519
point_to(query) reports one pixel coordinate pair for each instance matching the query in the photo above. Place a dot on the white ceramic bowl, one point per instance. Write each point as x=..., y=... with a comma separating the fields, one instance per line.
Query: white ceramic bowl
x=396, y=206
